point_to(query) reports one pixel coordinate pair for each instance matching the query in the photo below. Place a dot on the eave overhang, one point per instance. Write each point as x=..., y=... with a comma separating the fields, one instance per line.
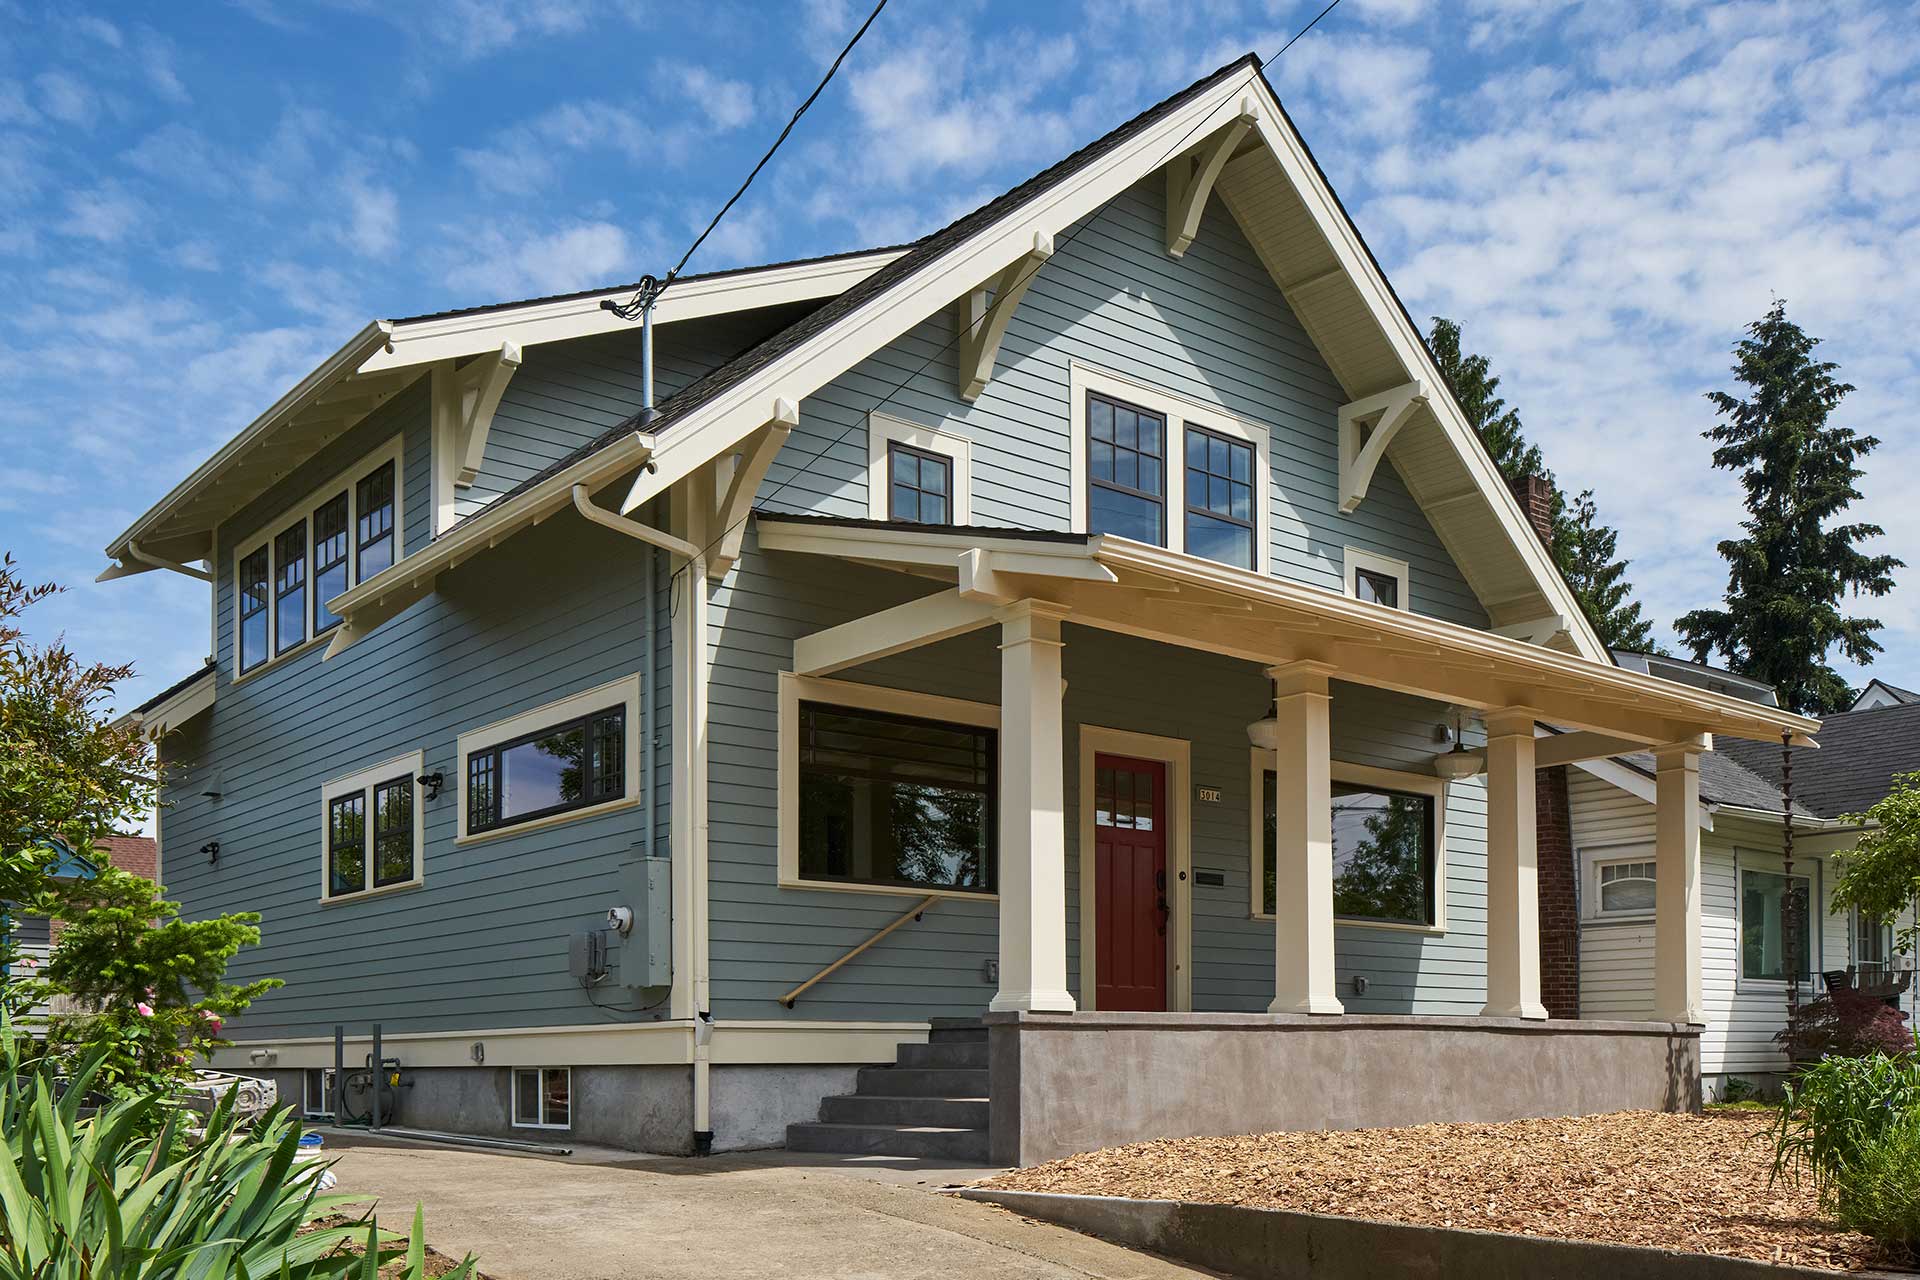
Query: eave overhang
x=191, y=697
x=1120, y=585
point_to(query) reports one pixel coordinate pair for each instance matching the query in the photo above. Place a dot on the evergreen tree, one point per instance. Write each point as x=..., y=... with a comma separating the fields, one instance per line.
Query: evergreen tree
x=1786, y=577
x=1583, y=548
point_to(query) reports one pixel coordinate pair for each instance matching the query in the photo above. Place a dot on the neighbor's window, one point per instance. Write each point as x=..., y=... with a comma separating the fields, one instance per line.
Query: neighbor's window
x=253, y=610
x=1626, y=887
x=1872, y=946
x=920, y=485
x=1376, y=588
x=1764, y=937
x=1383, y=854
x=1126, y=480
x=895, y=800
x=542, y=1097
x=567, y=766
x=284, y=580
x=373, y=829
x=1220, y=517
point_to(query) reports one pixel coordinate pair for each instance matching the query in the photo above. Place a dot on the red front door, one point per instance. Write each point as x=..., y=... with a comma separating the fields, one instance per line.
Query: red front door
x=1130, y=883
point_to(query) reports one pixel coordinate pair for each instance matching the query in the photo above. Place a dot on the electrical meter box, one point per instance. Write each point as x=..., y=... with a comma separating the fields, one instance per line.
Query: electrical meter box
x=643, y=958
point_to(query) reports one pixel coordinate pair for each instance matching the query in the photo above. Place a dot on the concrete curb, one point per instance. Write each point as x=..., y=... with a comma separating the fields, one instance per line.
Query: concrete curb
x=1273, y=1244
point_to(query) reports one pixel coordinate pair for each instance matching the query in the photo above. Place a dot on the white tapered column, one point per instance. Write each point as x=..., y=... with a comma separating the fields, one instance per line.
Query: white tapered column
x=1303, y=979
x=1033, y=821
x=1513, y=892
x=1676, y=894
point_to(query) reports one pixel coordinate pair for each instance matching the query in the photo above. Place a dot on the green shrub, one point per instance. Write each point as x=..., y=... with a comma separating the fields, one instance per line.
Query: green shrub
x=129, y=1194
x=1836, y=1108
x=1878, y=1194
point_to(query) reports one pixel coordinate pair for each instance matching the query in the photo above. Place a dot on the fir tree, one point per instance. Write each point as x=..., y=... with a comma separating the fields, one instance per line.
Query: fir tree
x=1786, y=577
x=1583, y=548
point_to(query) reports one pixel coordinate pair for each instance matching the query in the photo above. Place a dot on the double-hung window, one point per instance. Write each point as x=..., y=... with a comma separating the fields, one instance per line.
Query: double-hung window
x=568, y=759
x=1220, y=523
x=337, y=537
x=1126, y=470
x=1386, y=846
x=920, y=485
x=373, y=830
x=1777, y=933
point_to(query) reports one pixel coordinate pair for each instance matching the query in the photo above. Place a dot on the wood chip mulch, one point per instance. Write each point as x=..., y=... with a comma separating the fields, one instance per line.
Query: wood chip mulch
x=1692, y=1183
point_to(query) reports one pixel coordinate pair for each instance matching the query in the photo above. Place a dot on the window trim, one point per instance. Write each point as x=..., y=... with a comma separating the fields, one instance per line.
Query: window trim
x=925, y=456
x=1590, y=858
x=365, y=781
x=884, y=430
x=1355, y=559
x=1646, y=858
x=1745, y=860
x=1357, y=775
x=859, y=697
x=301, y=513
x=513, y=1099
x=1178, y=410
x=624, y=692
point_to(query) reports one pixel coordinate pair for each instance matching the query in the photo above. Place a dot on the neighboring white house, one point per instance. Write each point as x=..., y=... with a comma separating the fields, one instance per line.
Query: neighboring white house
x=1743, y=875
x=1879, y=693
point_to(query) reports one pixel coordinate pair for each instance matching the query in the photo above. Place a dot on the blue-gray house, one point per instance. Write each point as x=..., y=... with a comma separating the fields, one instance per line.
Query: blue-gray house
x=1083, y=658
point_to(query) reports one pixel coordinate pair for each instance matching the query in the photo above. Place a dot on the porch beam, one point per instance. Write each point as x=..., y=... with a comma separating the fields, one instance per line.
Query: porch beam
x=1303, y=971
x=1572, y=748
x=1033, y=830
x=1191, y=176
x=982, y=321
x=1513, y=901
x=1676, y=892
x=879, y=635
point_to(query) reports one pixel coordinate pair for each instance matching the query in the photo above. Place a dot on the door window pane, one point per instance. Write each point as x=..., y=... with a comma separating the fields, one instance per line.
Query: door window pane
x=1765, y=934
x=894, y=800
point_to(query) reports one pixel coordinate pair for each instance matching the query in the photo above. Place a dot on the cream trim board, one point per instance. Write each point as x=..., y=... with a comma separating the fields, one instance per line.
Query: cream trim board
x=1813, y=872
x=348, y=480
x=1260, y=763
x=864, y=697
x=1179, y=410
x=1177, y=755
x=883, y=429
x=631, y=1044
x=1590, y=858
x=1355, y=559
x=410, y=766
x=625, y=692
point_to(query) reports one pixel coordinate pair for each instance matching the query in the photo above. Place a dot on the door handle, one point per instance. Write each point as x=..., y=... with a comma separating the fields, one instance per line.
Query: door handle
x=1160, y=889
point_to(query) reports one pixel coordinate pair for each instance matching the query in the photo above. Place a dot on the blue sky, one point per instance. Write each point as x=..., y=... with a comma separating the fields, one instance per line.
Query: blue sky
x=197, y=202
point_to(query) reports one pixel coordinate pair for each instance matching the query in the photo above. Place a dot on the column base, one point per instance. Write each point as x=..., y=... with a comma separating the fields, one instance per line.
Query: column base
x=1032, y=1002
x=1324, y=1005
x=1534, y=1012
x=1685, y=1017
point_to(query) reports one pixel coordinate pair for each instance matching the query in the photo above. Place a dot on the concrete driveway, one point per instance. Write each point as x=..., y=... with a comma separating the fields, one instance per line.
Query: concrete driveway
x=600, y=1215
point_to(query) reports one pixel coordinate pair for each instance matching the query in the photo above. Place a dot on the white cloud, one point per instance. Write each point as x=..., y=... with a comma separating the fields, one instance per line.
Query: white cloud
x=102, y=213
x=66, y=98
x=373, y=219
x=727, y=104
x=525, y=159
x=495, y=265
x=98, y=29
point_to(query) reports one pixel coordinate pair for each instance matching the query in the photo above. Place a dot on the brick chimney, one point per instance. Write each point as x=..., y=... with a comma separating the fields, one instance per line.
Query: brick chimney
x=1536, y=499
x=1553, y=826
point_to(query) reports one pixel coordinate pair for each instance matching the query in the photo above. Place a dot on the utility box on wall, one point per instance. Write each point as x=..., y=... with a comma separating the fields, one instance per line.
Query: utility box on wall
x=644, y=957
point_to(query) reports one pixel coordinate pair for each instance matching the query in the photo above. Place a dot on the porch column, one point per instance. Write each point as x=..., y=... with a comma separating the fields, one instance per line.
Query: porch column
x=1033, y=823
x=1303, y=979
x=1676, y=903
x=1513, y=895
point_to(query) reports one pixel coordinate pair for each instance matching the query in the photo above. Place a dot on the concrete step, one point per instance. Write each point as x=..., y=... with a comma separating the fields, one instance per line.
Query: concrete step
x=924, y=1142
x=957, y=1030
x=922, y=1082
x=945, y=1053
x=945, y=1113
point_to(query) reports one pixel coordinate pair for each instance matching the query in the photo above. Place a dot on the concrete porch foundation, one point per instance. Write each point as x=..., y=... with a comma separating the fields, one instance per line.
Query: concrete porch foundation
x=1065, y=1083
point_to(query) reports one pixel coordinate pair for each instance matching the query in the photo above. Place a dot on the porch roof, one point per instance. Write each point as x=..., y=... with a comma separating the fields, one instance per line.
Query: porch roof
x=1120, y=585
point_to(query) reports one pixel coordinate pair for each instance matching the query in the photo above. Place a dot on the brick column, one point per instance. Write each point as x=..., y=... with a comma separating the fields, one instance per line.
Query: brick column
x=1559, y=897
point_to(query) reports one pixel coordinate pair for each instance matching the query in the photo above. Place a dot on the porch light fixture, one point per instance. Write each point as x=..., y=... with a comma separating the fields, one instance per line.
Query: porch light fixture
x=1461, y=762
x=1264, y=733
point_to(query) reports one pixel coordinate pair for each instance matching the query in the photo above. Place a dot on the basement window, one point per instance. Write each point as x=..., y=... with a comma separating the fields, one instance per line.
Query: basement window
x=542, y=1097
x=316, y=1092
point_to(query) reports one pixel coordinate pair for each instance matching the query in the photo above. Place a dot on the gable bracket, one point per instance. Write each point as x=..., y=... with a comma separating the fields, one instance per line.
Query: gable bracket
x=1367, y=427
x=1542, y=630
x=982, y=321
x=1190, y=178
x=478, y=386
x=740, y=474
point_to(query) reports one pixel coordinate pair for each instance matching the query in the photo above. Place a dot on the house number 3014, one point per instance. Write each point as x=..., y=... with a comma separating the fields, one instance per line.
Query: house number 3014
x=1209, y=795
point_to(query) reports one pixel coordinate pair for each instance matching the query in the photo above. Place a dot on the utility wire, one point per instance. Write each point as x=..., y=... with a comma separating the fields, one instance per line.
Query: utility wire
x=1178, y=146
x=633, y=306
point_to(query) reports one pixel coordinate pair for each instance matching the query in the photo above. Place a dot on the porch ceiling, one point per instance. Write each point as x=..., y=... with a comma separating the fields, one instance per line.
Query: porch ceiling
x=1120, y=585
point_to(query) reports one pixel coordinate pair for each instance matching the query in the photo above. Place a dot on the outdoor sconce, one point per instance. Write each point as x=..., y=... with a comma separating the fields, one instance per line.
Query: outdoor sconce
x=212, y=849
x=1264, y=733
x=432, y=782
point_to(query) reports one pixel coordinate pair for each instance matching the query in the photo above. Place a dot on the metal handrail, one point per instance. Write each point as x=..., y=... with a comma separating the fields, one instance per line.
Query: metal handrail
x=913, y=913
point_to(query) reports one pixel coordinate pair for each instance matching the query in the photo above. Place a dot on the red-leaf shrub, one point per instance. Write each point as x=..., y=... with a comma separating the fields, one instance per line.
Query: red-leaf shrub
x=1845, y=1024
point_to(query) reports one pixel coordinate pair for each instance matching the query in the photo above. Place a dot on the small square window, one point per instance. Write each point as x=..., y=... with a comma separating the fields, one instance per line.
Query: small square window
x=1376, y=588
x=542, y=1097
x=919, y=485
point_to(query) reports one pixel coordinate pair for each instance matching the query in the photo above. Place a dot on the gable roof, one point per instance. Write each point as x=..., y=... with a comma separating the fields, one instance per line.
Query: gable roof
x=1892, y=692
x=1860, y=753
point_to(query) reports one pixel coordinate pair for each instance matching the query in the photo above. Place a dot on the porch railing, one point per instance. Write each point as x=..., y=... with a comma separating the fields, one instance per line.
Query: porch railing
x=912, y=913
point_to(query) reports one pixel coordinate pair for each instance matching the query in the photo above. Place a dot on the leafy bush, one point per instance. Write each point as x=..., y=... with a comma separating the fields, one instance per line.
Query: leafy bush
x=1845, y=1024
x=1879, y=1193
x=117, y=1196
